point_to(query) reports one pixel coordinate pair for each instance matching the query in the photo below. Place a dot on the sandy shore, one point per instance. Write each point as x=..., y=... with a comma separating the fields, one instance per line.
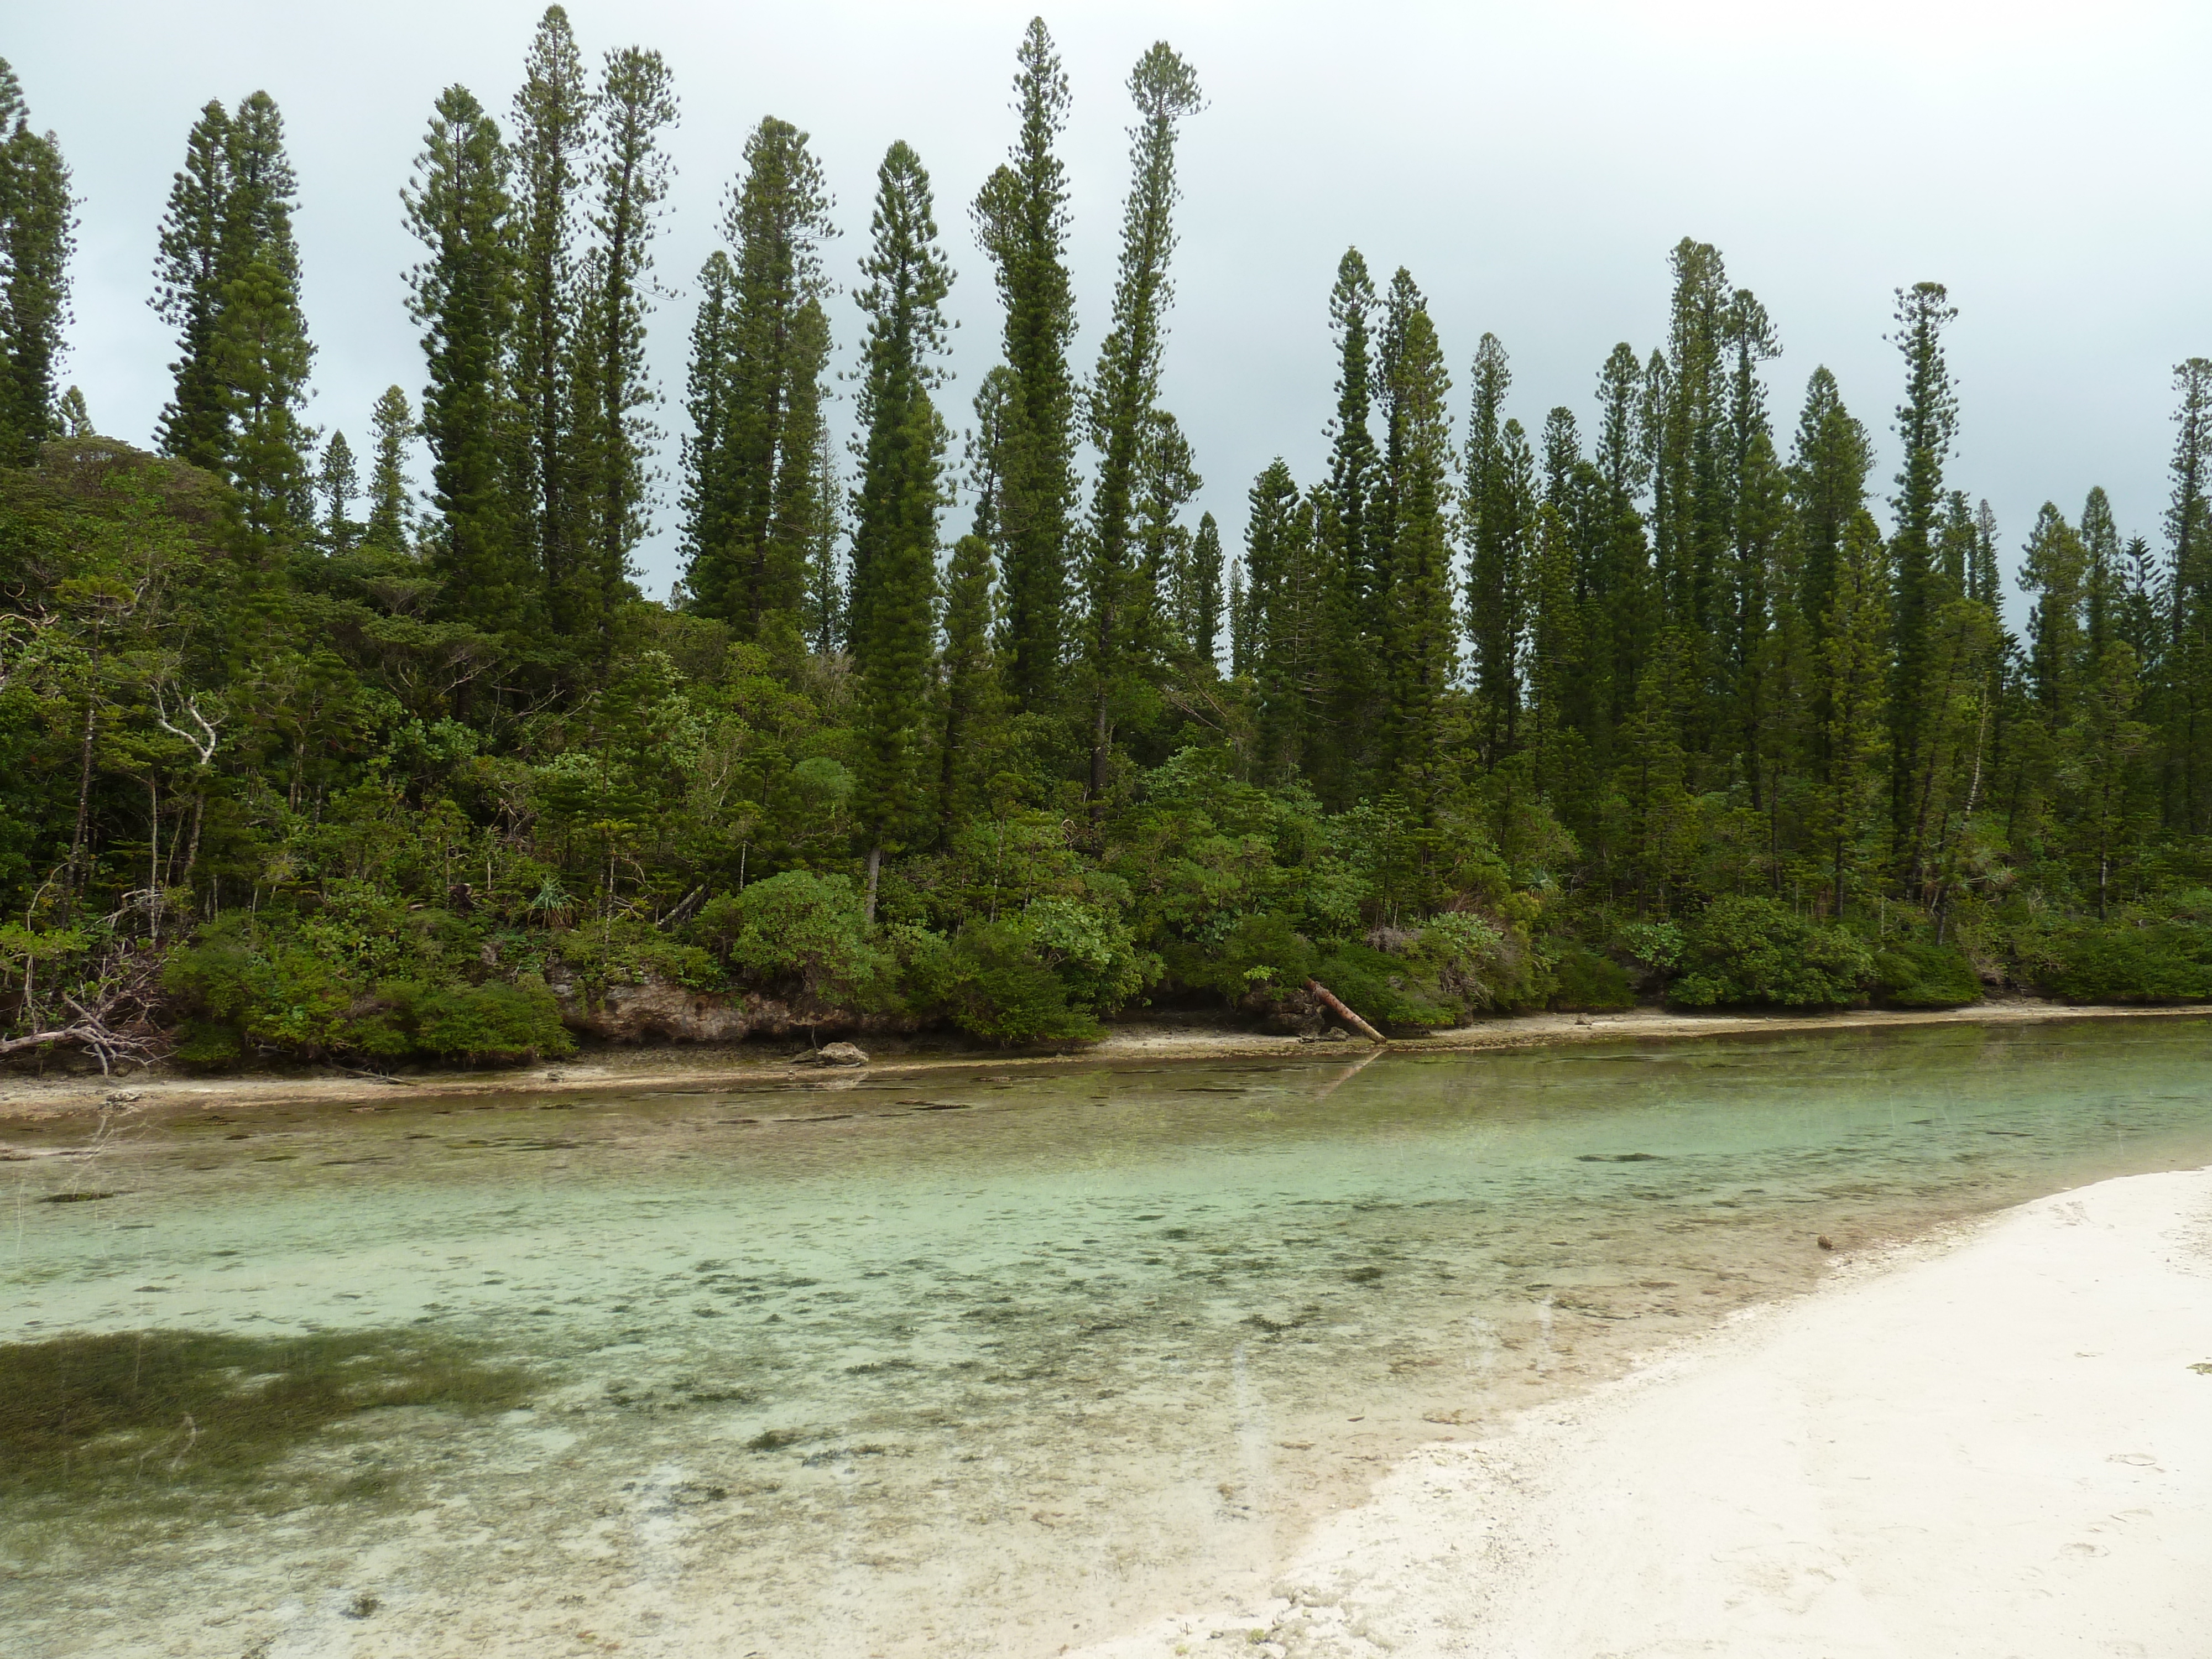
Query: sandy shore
x=2001, y=1446
x=702, y=1066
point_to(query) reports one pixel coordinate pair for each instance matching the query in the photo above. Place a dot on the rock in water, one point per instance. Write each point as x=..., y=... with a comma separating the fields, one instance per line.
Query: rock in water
x=835, y=1054
x=1825, y=1242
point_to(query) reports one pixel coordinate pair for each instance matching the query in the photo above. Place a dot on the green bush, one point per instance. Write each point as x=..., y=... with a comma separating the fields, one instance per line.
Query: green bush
x=1043, y=975
x=1475, y=964
x=492, y=1021
x=1754, y=951
x=2116, y=962
x=1921, y=974
x=799, y=930
x=1382, y=989
x=1261, y=951
x=1586, y=982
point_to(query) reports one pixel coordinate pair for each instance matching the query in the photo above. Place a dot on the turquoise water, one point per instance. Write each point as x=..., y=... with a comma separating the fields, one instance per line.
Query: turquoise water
x=989, y=1361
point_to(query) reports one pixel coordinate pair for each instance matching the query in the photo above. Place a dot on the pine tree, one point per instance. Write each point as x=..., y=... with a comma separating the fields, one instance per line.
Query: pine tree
x=37, y=236
x=753, y=483
x=900, y=494
x=966, y=684
x=462, y=297
x=390, y=507
x=1168, y=483
x=614, y=430
x=1827, y=491
x=74, y=417
x=1420, y=657
x=1690, y=441
x=1926, y=422
x=337, y=482
x=2056, y=569
x=552, y=139
x=1354, y=557
x=1206, y=594
x=823, y=610
x=1273, y=549
x=260, y=358
x=1852, y=664
x=1496, y=515
x=189, y=276
x=1021, y=220
x=1122, y=393
x=2189, y=579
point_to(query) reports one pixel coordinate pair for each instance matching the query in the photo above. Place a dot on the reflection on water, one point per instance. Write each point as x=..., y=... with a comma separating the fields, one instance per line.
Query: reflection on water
x=988, y=1364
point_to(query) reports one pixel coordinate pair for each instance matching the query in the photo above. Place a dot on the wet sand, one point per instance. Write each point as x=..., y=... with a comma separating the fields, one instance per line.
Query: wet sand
x=681, y=1068
x=1997, y=1444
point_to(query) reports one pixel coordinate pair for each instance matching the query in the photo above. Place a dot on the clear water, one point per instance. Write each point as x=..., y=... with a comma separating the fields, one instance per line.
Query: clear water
x=994, y=1362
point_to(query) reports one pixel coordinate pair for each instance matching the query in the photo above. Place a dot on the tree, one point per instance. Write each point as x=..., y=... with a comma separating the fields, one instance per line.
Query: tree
x=1204, y=620
x=966, y=684
x=337, y=482
x=615, y=432
x=1355, y=561
x=1851, y=665
x=1497, y=504
x=188, y=290
x=391, y=508
x=897, y=504
x=1420, y=657
x=552, y=138
x=753, y=485
x=2189, y=578
x=1926, y=422
x=1122, y=392
x=37, y=236
x=1021, y=220
x=462, y=297
x=260, y=358
x=1827, y=491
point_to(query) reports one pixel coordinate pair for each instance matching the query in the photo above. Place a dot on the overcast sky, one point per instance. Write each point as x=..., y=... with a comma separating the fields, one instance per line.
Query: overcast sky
x=1531, y=165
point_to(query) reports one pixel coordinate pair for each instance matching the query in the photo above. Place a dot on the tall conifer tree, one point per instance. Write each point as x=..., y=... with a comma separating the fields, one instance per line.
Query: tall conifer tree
x=552, y=138
x=1926, y=421
x=37, y=236
x=1421, y=658
x=897, y=505
x=753, y=484
x=1122, y=392
x=614, y=431
x=390, y=507
x=1021, y=220
x=462, y=297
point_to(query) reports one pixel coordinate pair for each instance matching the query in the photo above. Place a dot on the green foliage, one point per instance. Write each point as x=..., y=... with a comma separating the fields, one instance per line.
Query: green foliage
x=1921, y=974
x=1383, y=989
x=798, y=931
x=1587, y=982
x=1043, y=975
x=1756, y=951
x=2130, y=963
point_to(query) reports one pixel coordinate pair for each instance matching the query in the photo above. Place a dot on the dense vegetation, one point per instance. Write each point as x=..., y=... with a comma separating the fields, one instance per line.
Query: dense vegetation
x=294, y=760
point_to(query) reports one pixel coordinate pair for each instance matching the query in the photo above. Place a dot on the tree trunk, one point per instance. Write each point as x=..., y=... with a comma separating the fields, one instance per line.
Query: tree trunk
x=1329, y=999
x=875, y=869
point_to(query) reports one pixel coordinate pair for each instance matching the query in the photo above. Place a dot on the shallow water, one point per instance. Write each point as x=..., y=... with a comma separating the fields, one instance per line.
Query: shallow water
x=990, y=1362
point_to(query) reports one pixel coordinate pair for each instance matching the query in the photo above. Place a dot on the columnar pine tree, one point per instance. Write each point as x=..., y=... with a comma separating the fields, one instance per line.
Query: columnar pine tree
x=188, y=284
x=1167, y=483
x=614, y=429
x=37, y=236
x=2189, y=579
x=1495, y=515
x=753, y=485
x=1021, y=220
x=337, y=482
x=390, y=507
x=1851, y=668
x=1122, y=391
x=1420, y=658
x=1353, y=559
x=897, y=505
x=1273, y=550
x=463, y=296
x=967, y=687
x=1926, y=421
x=1206, y=594
x=552, y=136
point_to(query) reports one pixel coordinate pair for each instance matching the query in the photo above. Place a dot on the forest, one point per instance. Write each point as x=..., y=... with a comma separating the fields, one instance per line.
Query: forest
x=303, y=757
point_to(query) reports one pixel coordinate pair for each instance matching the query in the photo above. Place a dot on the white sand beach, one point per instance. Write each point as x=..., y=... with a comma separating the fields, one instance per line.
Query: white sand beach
x=1998, y=1444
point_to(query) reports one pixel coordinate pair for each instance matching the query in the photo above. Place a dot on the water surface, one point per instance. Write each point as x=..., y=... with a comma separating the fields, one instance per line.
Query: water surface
x=989, y=1361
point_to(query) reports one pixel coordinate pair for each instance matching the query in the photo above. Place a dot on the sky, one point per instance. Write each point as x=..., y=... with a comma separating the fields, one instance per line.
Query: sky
x=1531, y=165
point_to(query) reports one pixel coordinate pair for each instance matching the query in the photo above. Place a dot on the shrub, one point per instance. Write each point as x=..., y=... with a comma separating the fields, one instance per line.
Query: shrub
x=1921, y=974
x=493, y=1021
x=798, y=929
x=1475, y=964
x=1382, y=989
x=1260, y=953
x=2165, y=962
x=1586, y=982
x=1040, y=975
x=1756, y=951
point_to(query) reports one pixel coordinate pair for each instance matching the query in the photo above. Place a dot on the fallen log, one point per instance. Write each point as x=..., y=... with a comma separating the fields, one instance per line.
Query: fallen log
x=1330, y=1001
